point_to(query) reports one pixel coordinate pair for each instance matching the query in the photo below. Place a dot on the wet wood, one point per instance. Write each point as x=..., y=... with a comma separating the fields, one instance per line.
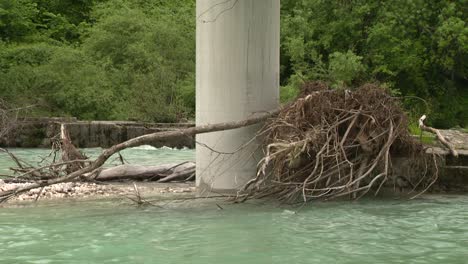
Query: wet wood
x=439, y=135
x=151, y=173
x=94, y=166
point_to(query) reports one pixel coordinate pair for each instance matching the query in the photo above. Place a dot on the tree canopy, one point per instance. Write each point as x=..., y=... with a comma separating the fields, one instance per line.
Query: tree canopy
x=135, y=59
x=99, y=59
x=414, y=47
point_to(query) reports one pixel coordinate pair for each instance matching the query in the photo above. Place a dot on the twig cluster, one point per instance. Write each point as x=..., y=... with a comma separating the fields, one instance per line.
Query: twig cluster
x=9, y=116
x=76, y=167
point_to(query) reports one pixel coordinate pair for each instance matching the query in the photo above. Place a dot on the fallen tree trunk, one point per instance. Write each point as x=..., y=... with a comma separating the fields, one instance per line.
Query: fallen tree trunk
x=139, y=172
x=138, y=141
x=181, y=174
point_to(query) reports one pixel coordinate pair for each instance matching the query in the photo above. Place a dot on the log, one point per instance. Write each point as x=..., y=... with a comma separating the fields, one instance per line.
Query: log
x=181, y=174
x=139, y=172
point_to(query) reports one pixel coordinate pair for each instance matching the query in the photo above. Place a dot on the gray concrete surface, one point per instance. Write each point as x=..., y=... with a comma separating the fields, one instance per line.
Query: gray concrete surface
x=237, y=75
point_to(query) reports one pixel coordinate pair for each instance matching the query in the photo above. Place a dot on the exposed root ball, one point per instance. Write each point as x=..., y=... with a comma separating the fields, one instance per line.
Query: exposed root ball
x=332, y=143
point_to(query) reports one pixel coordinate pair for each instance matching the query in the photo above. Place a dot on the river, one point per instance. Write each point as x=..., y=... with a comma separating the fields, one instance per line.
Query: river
x=144, y=155
x=433, y=229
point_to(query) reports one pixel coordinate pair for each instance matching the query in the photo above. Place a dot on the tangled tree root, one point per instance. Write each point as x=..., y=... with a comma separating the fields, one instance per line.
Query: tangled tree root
x=333, y=143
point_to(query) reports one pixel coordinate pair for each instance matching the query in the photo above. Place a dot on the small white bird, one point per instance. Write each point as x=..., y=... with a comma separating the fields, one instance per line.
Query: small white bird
x=421, y=120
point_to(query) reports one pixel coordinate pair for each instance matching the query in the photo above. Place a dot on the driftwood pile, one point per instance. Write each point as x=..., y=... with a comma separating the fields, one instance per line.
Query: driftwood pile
x=24, y=172
x=55, y=173
x=68, y=160
x=333, y=143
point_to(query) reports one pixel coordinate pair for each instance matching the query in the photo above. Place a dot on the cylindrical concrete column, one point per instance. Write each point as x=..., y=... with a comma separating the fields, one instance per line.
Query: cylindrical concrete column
x=237, y=75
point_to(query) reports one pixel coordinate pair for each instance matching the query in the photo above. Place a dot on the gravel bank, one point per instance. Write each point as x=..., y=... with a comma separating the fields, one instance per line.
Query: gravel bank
x=83, y=190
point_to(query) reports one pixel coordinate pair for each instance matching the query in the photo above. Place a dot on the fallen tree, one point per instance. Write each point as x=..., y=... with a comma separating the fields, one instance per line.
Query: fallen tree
x=126, y=172
x=333, y=143
x=93, y=168
x=161, y=173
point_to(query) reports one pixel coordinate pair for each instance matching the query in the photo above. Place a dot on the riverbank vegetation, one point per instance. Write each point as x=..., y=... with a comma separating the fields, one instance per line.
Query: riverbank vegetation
x=128, y=59
x=99, y=59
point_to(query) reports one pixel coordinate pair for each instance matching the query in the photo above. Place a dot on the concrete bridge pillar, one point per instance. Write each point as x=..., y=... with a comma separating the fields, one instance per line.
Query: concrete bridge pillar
x=237, y=75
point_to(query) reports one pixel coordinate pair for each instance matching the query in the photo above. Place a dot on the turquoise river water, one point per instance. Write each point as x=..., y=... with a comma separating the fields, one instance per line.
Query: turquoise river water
x=433, y=229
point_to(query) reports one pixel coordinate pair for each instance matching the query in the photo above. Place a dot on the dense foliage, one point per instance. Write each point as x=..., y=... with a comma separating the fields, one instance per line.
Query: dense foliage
x=99, y=59
x=415, y=47
x=135, y=59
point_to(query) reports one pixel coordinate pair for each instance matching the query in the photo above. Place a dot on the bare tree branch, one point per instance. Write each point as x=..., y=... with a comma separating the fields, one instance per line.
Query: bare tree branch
x=441, y=138
x=138, y=141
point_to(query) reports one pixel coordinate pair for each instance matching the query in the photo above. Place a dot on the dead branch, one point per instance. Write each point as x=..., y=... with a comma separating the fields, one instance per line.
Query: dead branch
x=138, y=172
x=440, y=137
x=138, y=199
x=332, y=143
x=9, y=116
x=138, y=141
x=182, y=174
x=18, y=162
x=70, y=152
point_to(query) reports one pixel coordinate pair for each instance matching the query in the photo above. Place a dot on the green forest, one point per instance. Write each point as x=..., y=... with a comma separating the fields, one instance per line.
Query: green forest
x=135, y=59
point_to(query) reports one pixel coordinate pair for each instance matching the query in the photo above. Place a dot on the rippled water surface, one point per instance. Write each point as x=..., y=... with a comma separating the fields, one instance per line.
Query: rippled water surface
x=429, y=230
x=144, y=155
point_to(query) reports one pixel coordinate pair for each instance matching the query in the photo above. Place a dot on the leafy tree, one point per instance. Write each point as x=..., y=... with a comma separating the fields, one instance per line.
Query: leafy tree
x=343, y=68
x=135, y=59
x=17, y=19
x=416, y=48
x=99, y=59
